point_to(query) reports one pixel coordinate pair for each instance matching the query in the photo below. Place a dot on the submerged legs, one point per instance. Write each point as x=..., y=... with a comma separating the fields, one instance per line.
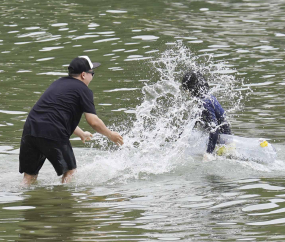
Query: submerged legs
x=29, y=179
x=67, y=176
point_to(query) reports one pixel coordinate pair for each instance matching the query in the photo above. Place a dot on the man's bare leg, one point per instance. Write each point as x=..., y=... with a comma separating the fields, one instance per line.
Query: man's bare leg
x=67, y=176
x=29, y=179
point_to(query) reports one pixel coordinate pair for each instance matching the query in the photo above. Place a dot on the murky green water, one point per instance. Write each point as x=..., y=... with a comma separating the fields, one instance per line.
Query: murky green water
x=150, y=193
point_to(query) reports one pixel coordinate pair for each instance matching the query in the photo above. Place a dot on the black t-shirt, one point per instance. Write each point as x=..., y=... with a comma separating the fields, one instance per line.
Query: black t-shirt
x=58, y=111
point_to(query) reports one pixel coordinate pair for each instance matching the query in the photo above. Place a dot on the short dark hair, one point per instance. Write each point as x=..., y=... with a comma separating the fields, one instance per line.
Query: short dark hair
x=195, y=83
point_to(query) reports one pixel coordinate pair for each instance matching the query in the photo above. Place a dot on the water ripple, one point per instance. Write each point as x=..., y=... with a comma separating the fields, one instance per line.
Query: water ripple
x=105, y=40
x=145, y=37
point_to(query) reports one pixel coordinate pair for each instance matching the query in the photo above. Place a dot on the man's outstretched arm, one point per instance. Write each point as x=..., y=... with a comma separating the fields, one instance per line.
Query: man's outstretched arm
x=98, y=125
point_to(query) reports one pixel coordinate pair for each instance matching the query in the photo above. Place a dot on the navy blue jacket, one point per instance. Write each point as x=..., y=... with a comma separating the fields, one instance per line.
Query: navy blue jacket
x=214, y=120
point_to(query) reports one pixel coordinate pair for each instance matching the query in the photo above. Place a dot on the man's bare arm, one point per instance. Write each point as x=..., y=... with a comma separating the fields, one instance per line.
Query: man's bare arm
x=98, y=125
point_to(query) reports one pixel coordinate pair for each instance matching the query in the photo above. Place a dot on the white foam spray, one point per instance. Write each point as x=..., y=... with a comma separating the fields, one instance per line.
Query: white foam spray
x=157, y=139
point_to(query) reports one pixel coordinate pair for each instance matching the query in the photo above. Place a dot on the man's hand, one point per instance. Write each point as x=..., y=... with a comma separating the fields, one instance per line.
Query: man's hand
x=116, y=138
x=86, y=136
x=98, y=125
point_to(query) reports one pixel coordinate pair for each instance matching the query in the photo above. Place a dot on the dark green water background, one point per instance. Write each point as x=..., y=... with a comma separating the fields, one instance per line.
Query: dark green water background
x=38, y=40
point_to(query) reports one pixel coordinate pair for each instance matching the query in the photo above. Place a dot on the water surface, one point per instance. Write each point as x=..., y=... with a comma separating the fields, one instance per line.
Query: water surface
x=147, y=190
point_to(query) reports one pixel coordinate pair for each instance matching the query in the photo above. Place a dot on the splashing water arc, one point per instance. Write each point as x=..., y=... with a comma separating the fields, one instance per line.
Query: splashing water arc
x=166, y=111
x=165, y=118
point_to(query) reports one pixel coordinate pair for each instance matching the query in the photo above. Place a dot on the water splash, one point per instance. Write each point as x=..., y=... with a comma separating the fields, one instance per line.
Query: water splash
x=166, y=111
x=156, y=140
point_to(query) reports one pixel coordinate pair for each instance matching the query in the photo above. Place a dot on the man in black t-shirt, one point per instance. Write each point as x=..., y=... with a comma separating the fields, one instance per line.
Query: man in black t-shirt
x=55, y=117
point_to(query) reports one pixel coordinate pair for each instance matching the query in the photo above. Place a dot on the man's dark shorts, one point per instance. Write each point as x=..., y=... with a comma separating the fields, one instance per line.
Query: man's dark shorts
x=34, y=151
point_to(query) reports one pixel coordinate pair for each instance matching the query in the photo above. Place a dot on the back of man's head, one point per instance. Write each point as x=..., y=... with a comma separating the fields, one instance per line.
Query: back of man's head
x=195, y=83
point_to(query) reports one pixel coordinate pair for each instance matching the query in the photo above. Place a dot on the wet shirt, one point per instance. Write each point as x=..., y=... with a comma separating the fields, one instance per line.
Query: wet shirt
x=58, y=111
x=214, y=120
x=213, y=115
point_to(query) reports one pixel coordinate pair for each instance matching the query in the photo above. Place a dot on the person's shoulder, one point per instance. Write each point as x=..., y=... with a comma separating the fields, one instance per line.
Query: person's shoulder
x=67, y=78
x=213, y=98
x=215, y=102
x=210, y=98
x=64, y=79
x=207, y=98
x=72, y=81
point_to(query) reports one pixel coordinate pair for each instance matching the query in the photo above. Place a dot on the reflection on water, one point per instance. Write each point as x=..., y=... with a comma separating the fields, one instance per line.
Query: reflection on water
x=65, y=214
x=115, y=198
x=162, y=208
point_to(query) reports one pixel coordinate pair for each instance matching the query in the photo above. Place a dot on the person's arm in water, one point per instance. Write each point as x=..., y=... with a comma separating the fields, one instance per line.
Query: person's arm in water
x=213, y=138
x=215, y=116
x=98, y=125
x=210, y=117
x=84, y=135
